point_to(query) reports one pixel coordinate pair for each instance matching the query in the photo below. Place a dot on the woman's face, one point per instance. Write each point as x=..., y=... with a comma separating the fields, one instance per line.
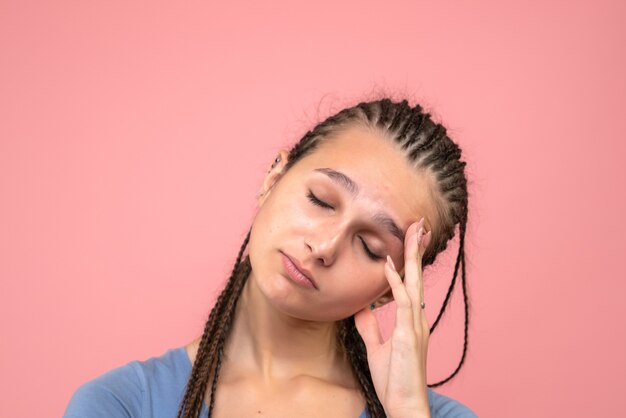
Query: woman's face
x=324, y=221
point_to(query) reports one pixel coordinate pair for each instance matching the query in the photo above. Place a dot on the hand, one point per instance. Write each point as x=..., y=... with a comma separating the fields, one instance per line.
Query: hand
x=398, y=365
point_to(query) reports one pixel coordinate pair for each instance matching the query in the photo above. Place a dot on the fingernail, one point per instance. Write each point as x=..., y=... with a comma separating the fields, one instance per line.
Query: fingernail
x=390, y=261
x=427, y=239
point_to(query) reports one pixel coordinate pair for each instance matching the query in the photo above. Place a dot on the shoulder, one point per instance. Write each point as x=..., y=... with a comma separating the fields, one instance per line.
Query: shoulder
x=442, y=406
x=116, y=393
x=139, y=388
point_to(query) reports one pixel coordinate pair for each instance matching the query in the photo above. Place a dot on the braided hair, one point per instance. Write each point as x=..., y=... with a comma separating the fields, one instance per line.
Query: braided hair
x=428, y=149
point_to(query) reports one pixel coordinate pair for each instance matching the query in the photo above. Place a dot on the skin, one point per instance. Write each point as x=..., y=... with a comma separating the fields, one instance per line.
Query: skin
x=283, y=335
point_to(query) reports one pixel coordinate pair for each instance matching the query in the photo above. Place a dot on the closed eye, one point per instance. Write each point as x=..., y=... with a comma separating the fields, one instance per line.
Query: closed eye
x=323, y=204
x=318, y=202
x=369, y=253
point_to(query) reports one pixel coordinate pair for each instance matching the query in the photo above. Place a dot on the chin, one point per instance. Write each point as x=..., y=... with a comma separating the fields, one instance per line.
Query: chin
x=287, y=297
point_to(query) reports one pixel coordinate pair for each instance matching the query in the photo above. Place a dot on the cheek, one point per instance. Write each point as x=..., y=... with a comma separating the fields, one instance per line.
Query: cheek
x=268, y=220
x=287, y=208
x=356, y=288
x=277, y=225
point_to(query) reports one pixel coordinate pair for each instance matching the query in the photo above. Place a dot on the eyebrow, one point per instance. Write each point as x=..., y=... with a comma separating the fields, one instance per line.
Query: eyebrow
x=381, y=218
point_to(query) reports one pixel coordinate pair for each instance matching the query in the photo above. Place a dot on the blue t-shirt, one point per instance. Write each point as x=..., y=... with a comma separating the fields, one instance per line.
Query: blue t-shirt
x=155, y=388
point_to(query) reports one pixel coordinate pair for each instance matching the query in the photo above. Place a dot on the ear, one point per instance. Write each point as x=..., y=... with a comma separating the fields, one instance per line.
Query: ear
x=273, y=175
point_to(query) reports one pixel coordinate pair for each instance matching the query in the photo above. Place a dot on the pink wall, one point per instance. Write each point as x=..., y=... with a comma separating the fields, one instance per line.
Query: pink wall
x=133, y=137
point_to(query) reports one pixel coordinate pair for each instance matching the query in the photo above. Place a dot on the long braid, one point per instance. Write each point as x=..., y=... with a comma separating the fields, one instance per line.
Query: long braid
x=460, y=260
x=425, y=144
x=354, y=347
x=211, y=347
x=196, y=386
x=220, y=353
x=224, y=329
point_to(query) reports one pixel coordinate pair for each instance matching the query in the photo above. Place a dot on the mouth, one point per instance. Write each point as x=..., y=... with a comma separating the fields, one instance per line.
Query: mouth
x=297, y=273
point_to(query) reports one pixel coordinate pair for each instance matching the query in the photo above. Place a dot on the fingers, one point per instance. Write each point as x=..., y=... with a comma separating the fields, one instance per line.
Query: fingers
x=413, y=269
x=425, y=240
x=411, y=255
x=409, y=294
x=404, y=314
x=423, y=244
x=367, y=325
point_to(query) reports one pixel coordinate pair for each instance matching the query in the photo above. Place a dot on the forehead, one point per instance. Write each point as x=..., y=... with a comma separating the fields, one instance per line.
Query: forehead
x=385, y=178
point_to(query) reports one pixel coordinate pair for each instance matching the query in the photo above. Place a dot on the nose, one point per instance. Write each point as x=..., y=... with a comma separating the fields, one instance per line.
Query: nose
x=324, y=244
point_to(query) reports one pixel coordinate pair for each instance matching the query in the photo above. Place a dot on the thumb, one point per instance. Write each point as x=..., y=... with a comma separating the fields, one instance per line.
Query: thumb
x=367, y=326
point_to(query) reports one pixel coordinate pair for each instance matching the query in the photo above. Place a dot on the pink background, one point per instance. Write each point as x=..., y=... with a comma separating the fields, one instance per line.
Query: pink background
x=134, y=136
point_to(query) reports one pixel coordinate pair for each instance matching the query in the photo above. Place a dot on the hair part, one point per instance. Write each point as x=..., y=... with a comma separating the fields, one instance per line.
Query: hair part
x=428, y=149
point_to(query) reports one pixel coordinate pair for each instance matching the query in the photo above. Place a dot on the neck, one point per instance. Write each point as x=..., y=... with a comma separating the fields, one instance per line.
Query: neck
x=274, y=346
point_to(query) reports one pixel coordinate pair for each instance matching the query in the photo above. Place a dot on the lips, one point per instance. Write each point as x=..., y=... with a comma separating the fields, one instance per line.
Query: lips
x=299, y=273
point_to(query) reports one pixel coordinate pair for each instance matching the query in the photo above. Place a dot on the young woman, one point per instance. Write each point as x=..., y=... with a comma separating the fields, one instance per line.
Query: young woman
x=346, y=221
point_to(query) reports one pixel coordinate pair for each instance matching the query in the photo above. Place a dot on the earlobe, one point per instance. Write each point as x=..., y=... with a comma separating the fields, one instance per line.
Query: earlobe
x=384, y=299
